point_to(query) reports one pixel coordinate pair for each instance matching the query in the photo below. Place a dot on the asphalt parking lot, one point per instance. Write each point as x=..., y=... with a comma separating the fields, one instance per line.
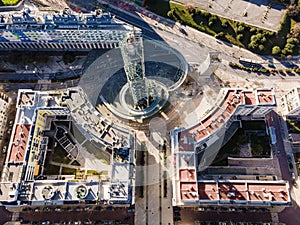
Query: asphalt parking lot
x=259, y=13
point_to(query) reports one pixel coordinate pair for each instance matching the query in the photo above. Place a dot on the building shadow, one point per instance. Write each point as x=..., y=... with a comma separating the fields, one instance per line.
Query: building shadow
x=265, y=3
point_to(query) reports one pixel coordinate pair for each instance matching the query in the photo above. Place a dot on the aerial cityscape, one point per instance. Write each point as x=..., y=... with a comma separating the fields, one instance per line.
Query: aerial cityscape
x=150, y=112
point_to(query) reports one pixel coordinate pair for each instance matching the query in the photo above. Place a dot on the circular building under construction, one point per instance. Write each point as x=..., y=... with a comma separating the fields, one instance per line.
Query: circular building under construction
x=134, y=81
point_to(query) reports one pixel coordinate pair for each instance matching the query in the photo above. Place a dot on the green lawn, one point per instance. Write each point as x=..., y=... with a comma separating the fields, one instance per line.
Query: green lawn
x=293, y=126
x=68, y=171
x=9, y=2
x=159, y=7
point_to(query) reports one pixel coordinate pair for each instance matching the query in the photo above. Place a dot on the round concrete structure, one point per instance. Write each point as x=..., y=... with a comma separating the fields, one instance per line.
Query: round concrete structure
x=104, y=80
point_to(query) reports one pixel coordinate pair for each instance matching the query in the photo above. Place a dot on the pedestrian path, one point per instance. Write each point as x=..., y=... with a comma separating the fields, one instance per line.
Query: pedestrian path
x=15, y=216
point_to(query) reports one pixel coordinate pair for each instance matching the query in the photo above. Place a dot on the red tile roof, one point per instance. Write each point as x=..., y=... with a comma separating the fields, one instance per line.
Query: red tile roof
x=265, y=96
x=249, y=98
x=236, y=190
x=270, y=192
x=220, y=115
x=232, y=191
x=187, y=175
x=188, y=191
x=208, y=191
x=20, y=140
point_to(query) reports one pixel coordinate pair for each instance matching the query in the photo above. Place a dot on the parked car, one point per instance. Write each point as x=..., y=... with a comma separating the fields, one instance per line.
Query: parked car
x=131, y=210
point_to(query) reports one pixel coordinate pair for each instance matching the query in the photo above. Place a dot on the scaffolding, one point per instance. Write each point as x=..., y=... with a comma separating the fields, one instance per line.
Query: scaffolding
x=133, y=56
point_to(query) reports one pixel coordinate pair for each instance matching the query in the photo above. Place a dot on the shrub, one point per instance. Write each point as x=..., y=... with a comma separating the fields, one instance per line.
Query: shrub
x=220, y=35
x=204, y=13
x=240, y=28
x=240, y=36
x=9, y=2
x=224, y=24
x=261, y=47
x=211, y=20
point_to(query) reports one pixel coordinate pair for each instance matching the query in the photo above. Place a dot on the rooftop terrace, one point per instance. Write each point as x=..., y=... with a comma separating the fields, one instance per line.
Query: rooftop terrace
x=265, y=97
x=26, y=99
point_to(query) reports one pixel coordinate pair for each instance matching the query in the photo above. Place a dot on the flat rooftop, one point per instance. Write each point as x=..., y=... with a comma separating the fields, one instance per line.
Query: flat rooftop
x=26, y=99
x=232, y=191
x=36, y=110
x=8, y=191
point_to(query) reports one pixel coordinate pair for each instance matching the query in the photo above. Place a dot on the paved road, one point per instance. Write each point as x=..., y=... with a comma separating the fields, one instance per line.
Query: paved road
x=188, y=216
x=290, y=215
x=285, y=173
x=39, y=76
x=40, y=86
x=120, y=214
x=5, y=216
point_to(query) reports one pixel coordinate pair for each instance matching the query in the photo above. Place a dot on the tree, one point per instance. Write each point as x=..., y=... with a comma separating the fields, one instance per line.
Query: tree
x=290, y=46
x=211, y=20
x=68, y=57
x=293, y=41
x=288, y=49
x=256, y=41
x=293, y=11
x=276, y=50
x=296, y=31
